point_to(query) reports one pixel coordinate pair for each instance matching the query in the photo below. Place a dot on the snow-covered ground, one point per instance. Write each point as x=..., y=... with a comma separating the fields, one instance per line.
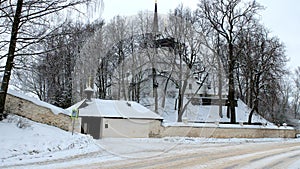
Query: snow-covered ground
x=203, y=113
x=26, y=144
x=24, y=141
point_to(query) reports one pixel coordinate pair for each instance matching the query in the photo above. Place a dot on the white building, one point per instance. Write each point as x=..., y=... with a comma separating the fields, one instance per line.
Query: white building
x=116, y=118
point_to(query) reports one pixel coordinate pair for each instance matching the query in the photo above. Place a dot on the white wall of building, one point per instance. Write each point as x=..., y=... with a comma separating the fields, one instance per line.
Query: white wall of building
x=125, y=128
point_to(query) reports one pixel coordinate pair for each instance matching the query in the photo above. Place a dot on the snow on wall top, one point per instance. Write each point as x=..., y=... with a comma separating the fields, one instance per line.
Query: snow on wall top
x=114, y=108
x=54, y=109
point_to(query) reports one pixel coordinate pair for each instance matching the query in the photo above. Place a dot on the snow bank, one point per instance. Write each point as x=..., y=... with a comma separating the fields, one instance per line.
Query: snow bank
x=190, y=140
x=24, y=140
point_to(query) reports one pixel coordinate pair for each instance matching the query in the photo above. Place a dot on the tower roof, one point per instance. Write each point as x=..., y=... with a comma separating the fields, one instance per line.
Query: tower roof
x=155, y=19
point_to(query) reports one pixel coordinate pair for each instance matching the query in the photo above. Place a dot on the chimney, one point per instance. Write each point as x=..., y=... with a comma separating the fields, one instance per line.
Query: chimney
x=89, y=93
x=155, y=20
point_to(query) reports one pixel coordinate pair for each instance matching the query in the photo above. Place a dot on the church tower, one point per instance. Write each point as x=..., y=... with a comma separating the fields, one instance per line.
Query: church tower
x=155, y=20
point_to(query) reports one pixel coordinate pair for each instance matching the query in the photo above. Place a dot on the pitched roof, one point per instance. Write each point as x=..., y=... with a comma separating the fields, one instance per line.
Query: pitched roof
x=114, y=108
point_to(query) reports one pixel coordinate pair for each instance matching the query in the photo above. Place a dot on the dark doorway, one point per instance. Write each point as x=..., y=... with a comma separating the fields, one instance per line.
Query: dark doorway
x=91, y=125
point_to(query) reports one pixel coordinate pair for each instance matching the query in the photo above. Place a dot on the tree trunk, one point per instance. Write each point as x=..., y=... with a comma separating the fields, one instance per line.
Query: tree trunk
x=181, y=107
x=256, y=101
x=138, y=91
x=250, y=116
x=180, y=92
x=251, y=90
x=231, y=92
x=180, y=113
x=10, y=57
x=155, y=86
x=220, y=87
x=163, y=102
x=254, y=109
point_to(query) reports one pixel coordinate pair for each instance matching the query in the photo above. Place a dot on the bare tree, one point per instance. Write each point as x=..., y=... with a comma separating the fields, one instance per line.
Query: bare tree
x=227, y=18
x=118, y=36
x=296, y=93
x=188, y=59
x=261, y=62
x=88, y=59
x=50, y=74
x=22, y=16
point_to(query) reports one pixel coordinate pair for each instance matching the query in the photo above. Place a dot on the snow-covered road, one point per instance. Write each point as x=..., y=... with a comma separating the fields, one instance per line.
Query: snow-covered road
x=183, y=153
x=206, y=155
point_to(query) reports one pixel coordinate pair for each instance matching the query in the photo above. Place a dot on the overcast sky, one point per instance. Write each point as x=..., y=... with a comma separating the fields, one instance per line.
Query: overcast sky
x=282, y=17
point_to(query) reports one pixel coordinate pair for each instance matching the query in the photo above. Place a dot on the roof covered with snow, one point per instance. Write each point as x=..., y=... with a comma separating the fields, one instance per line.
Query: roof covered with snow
x=54, y=109
x=114, y=108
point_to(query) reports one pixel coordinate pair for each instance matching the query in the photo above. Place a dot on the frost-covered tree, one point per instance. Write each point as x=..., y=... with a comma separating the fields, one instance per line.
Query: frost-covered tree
x=261, y=62
x=188, y=58
x=227, y=18
x=87, y=59
x=117, y=33
x=27, y=22
x=296, y=93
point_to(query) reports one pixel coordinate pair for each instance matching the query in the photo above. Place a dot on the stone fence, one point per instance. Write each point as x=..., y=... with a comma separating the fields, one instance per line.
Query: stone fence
x=26, y=108
x=217, y=131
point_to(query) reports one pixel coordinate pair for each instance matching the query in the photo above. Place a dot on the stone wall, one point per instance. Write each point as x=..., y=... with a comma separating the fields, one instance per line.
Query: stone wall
x=155, y=129
x=37, y=113
x=218, y=132
x=30, y=110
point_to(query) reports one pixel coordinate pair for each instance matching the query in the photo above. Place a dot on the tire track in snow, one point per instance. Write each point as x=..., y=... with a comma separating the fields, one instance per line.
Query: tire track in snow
x=255, y=159
x=202, y=155
x=237, y=156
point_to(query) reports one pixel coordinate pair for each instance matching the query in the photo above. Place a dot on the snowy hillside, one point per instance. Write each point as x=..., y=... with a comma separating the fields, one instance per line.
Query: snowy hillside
x=22, y=139
x=211, y=114
x=201, y=114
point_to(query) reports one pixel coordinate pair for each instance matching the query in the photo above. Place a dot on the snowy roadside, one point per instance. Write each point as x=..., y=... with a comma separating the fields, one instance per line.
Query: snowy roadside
x=24, y=141
x=33, y=145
